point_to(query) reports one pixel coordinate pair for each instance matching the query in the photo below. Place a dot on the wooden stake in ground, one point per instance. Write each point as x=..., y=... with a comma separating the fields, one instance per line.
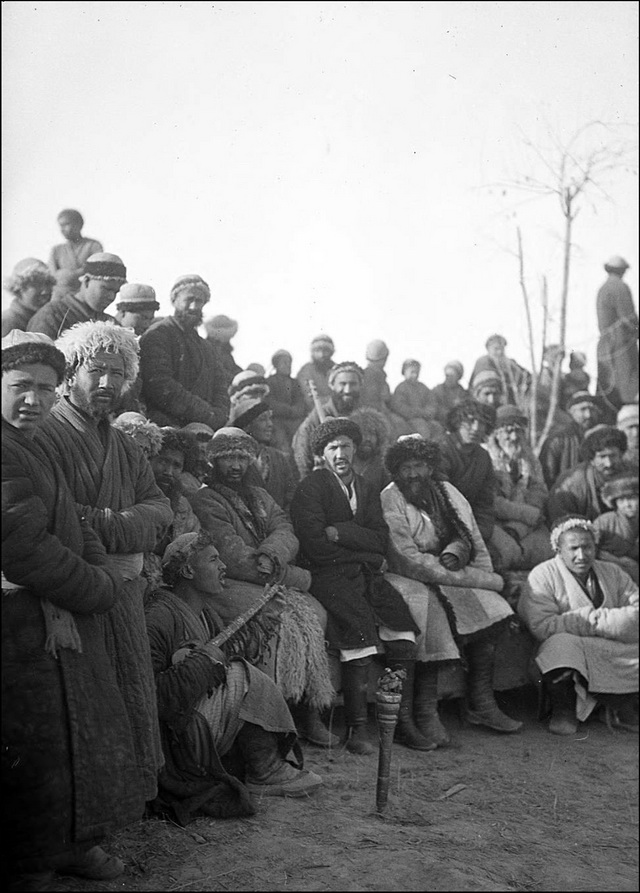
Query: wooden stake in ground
x=388, y=697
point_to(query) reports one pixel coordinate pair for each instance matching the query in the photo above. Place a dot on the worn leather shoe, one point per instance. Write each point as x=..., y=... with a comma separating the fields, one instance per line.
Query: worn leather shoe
x=96, y=865
x=563, y=723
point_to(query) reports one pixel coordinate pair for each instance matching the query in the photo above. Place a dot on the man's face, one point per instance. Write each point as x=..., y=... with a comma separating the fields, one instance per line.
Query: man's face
x=490, y=394
x=338, y=456
x=167, y=467
x=33, y=297
x=632, y=436
x=283, y=365
x=472, y=430
x=97, y=384
x=412, y=475
x=583, y=414
x=411, y=373
x=232, y=468
x=607, y=462
x=69, y=227
x=99, y=293
x=208, y=571
x=28, y=394
x=368, y=446
x=510, y=439
x=578, y=551
x=188, y=305
x=346, y=391
x=628, y=506
x=321, y=353
x=261, y=429
x=138, y=320
x=451, y=376
x=495, y=349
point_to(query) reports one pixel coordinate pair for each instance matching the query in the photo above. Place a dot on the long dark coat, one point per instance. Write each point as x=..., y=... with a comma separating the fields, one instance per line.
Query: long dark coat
x=346, y=576
x=69, y=773
x=618, y=344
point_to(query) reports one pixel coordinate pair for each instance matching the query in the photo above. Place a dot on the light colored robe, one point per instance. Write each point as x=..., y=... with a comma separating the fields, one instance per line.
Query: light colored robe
x=470, y=596
x=600, y=643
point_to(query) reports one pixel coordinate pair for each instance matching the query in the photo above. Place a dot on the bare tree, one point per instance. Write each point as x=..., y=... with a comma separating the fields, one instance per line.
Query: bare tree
x=575, y=173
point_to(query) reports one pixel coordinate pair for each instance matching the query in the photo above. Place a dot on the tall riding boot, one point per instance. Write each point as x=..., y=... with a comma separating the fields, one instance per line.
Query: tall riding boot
x=355, y=680
x=400, y=655
x=268, y=774
x=483, y=709
x=310, y=726
x=425, y=705
x=562, y=695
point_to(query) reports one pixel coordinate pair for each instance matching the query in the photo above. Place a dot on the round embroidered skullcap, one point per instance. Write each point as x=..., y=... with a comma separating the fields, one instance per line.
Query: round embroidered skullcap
x=567, y=523
x=347, y=366
x=330, y=430
x=27, y=348
x=192, y=281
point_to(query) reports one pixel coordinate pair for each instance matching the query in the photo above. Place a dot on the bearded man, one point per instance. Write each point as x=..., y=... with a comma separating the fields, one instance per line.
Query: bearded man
x=104, y=275
x=562, y=448
x=578, y=491
x=114, y=489
x=343, y=536
x=256, y=541
x=345, y=389
x=182, y=379
x=520, y=534
x=317, y=370
x=440, y=564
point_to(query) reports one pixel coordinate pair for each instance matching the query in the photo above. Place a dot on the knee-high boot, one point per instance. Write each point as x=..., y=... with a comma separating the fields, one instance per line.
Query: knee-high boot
x=311, y=727
x=400, y=655
x=561, y=691
x=483, y=709
x=355, y=679
x=425, y=705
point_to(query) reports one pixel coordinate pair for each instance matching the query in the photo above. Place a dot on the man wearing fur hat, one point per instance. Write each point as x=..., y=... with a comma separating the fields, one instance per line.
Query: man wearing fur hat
x=250, y=410
x=617, y=530
x=322, y=351
x=344, y=538
x=256, y=541
x=31, y=285
x=578, y=491
x=220, y=330
x=345, y=388
x=562, y=448
x=114, y=488
x=103, y=277
x=136, y=306
x=440, y=564
x=618, y=344
x=627, y=421
x=182, y=380
x=520, y=534
x=69, y=772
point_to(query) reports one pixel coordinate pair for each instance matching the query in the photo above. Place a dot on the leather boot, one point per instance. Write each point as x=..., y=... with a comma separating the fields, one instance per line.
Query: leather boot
x=268, y=774
x=355, y=681
x=562, y=695
x=407, y=732
x=311, y=728
x=483, y=709
x=425, y=705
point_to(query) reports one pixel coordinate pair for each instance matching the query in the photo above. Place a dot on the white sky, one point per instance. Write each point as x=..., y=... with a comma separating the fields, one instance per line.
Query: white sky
x=322, y=165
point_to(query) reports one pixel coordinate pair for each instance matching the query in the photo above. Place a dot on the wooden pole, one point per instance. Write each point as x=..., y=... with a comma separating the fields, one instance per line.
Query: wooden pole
x=388, y=697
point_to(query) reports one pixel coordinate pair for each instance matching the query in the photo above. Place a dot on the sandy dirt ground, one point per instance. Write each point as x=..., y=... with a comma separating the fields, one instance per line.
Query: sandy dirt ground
x=531, y=811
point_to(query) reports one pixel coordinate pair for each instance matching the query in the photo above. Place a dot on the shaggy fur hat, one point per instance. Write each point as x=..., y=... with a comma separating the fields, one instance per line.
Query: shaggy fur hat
x=601, y=437
x=191, y=280
x=29, y=271
x=411, y=447
x=181, y=441
x=581, y=397
x=221, y=327
x=627, y=416
x=229, y=440
x=372, y=421
x=330, y=430
x=83, y=341
x=471, y=408
x=26, y=348
x=347, y=366
x=621, y=485
x=146, y=434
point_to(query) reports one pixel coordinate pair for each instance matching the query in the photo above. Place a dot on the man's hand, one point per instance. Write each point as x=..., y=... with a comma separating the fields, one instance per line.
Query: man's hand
x=216, y=654
x=265, y=565
x=332, y=534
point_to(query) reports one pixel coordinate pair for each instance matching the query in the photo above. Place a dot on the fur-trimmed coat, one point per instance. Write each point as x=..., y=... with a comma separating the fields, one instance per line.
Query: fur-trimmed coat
x=69, y=773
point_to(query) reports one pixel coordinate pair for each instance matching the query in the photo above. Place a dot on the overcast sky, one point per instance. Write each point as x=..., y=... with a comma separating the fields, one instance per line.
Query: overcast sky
x=325, y=166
